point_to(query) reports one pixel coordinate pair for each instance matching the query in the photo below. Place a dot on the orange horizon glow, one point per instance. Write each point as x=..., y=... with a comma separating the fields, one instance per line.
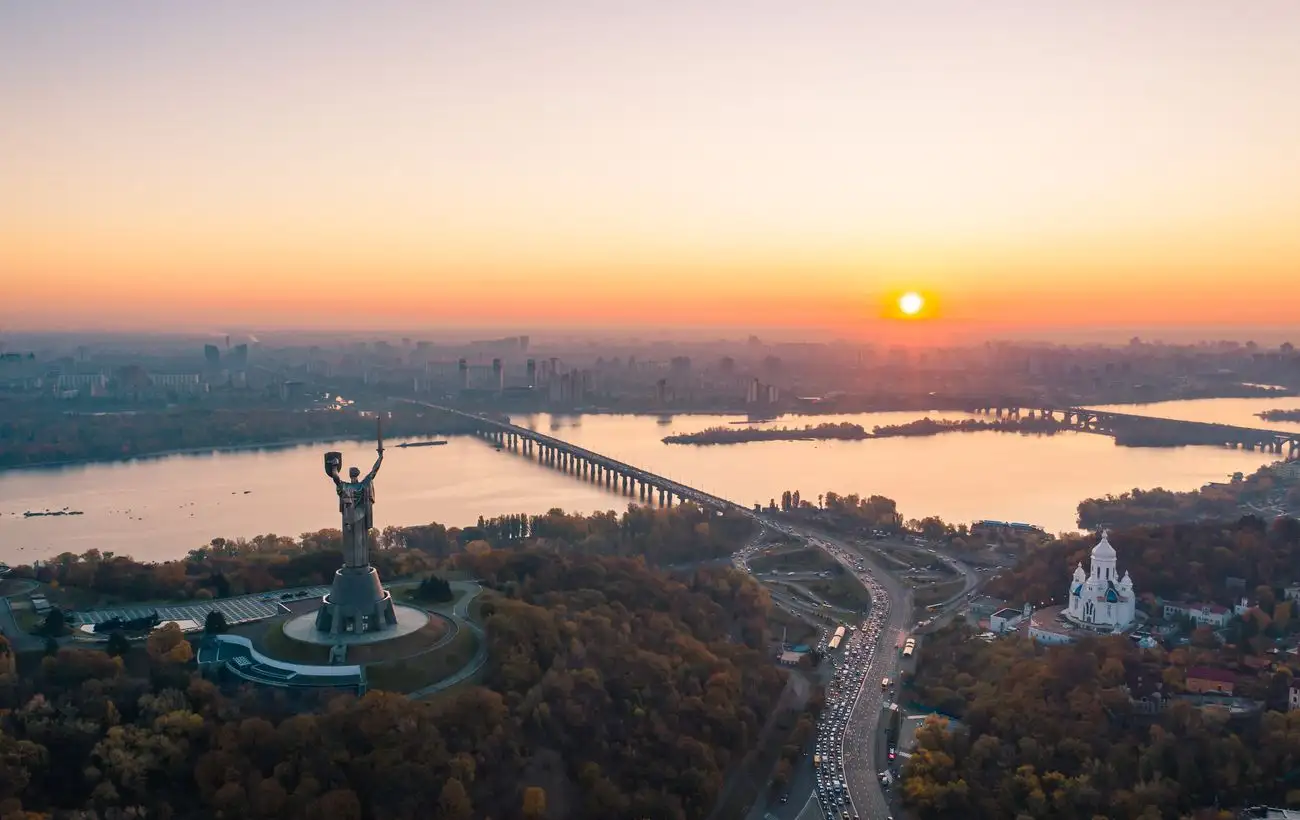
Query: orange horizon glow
x=727, y=165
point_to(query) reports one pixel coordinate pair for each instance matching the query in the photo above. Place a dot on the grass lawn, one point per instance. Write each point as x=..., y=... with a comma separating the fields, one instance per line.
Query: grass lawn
x=281, y=647
x=407, y=596
x=843, y=591
x=796, y=630
x=411, y=673
x=17, y=586
x=799, y=559
x=940, y=591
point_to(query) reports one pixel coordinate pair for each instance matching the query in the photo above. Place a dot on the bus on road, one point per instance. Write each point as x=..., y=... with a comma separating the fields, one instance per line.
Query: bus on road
x=892, y=726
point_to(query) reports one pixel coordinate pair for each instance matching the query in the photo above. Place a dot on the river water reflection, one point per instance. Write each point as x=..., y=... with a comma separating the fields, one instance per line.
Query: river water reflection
x=160, y=508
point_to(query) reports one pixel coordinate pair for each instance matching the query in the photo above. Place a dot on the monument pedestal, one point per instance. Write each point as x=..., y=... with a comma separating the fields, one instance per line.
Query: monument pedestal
x=356, y=603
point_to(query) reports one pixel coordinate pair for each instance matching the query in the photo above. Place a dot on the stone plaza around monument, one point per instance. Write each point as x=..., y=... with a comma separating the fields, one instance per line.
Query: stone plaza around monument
x=304, y=628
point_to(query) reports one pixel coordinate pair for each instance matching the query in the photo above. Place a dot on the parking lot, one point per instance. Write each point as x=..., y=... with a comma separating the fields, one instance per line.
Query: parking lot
x=239, y=610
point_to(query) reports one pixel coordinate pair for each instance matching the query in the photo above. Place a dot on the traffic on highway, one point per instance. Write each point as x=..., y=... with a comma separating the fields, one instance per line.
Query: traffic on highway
x=851, y=663
x=847, y=786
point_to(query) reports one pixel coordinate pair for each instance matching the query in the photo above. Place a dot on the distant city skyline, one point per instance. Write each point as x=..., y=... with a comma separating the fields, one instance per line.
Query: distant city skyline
x=1038, y=169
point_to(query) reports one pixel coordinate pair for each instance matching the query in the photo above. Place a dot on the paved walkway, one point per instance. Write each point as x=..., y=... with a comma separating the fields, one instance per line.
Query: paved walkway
x=460, y=619
x=21, y=641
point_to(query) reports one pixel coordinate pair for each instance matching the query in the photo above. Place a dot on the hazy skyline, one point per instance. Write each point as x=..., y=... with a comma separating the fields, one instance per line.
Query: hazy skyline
x=725, y=164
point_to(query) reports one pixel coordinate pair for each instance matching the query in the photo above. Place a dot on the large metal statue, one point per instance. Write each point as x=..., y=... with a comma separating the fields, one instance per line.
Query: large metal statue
x=357, y=504
x=357, y=602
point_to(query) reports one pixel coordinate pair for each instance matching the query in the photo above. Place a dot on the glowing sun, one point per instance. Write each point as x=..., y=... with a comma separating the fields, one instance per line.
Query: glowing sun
x=910, y=304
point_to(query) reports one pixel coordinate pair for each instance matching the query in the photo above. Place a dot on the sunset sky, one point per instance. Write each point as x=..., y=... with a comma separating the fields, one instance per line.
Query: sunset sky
x=669, y=163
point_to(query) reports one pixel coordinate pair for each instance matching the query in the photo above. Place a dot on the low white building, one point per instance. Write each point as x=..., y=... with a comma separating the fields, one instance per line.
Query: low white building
x=1202, y=613
x=1007, y=619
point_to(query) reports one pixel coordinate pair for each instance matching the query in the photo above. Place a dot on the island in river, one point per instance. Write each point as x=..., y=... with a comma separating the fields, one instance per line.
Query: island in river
x=845, y=431
x=1280, y=415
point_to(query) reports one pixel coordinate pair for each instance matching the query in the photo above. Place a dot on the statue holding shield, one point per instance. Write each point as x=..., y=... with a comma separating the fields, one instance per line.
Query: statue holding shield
x=357, y=602
x=356, y=504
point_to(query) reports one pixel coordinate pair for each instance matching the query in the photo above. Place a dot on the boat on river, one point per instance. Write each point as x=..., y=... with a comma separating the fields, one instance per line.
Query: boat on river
x=421, y=443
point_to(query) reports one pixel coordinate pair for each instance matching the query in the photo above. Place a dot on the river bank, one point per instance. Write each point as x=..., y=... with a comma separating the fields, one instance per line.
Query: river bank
x=279, y=444
x=845, y=431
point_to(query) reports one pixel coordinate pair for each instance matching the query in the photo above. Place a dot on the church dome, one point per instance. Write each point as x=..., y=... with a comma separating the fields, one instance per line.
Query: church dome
x=1103, y=551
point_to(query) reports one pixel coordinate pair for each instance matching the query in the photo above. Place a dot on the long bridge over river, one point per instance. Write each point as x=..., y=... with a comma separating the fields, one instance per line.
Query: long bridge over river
x=586, y=465
x=646, y=486
x=1132, y=429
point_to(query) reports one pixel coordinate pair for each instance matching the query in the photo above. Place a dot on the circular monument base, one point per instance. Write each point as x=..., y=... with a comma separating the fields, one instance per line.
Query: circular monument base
x=303, y=629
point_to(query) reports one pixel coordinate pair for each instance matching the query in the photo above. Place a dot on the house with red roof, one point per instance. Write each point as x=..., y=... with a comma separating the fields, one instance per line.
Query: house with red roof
x=1207, y=679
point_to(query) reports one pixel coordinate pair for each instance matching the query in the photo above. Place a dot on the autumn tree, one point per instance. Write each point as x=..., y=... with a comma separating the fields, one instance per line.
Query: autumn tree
x=167, y=644
x=453, y=802
x=117, y=644
x=215, y=623
x=534, y=802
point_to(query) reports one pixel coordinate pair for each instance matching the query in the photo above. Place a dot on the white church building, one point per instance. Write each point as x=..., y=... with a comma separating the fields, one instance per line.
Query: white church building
x=1100, y=600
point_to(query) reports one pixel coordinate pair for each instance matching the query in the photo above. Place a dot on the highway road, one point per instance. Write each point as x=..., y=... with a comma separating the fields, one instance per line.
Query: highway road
x=860, y=764
x=859, y=680
x=859, y=744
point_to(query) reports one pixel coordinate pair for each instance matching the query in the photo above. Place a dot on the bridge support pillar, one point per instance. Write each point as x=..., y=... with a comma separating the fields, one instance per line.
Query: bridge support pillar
x=668, y=499
x=624, y=485
x=661, y=497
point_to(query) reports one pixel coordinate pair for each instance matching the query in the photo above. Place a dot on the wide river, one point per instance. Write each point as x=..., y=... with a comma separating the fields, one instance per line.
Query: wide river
x=160, y=508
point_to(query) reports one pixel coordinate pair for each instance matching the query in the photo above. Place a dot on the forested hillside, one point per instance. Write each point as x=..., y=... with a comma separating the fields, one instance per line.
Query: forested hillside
x=233, y=566
x=1050, y=734
x=1192, y=560
x=613, y=691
